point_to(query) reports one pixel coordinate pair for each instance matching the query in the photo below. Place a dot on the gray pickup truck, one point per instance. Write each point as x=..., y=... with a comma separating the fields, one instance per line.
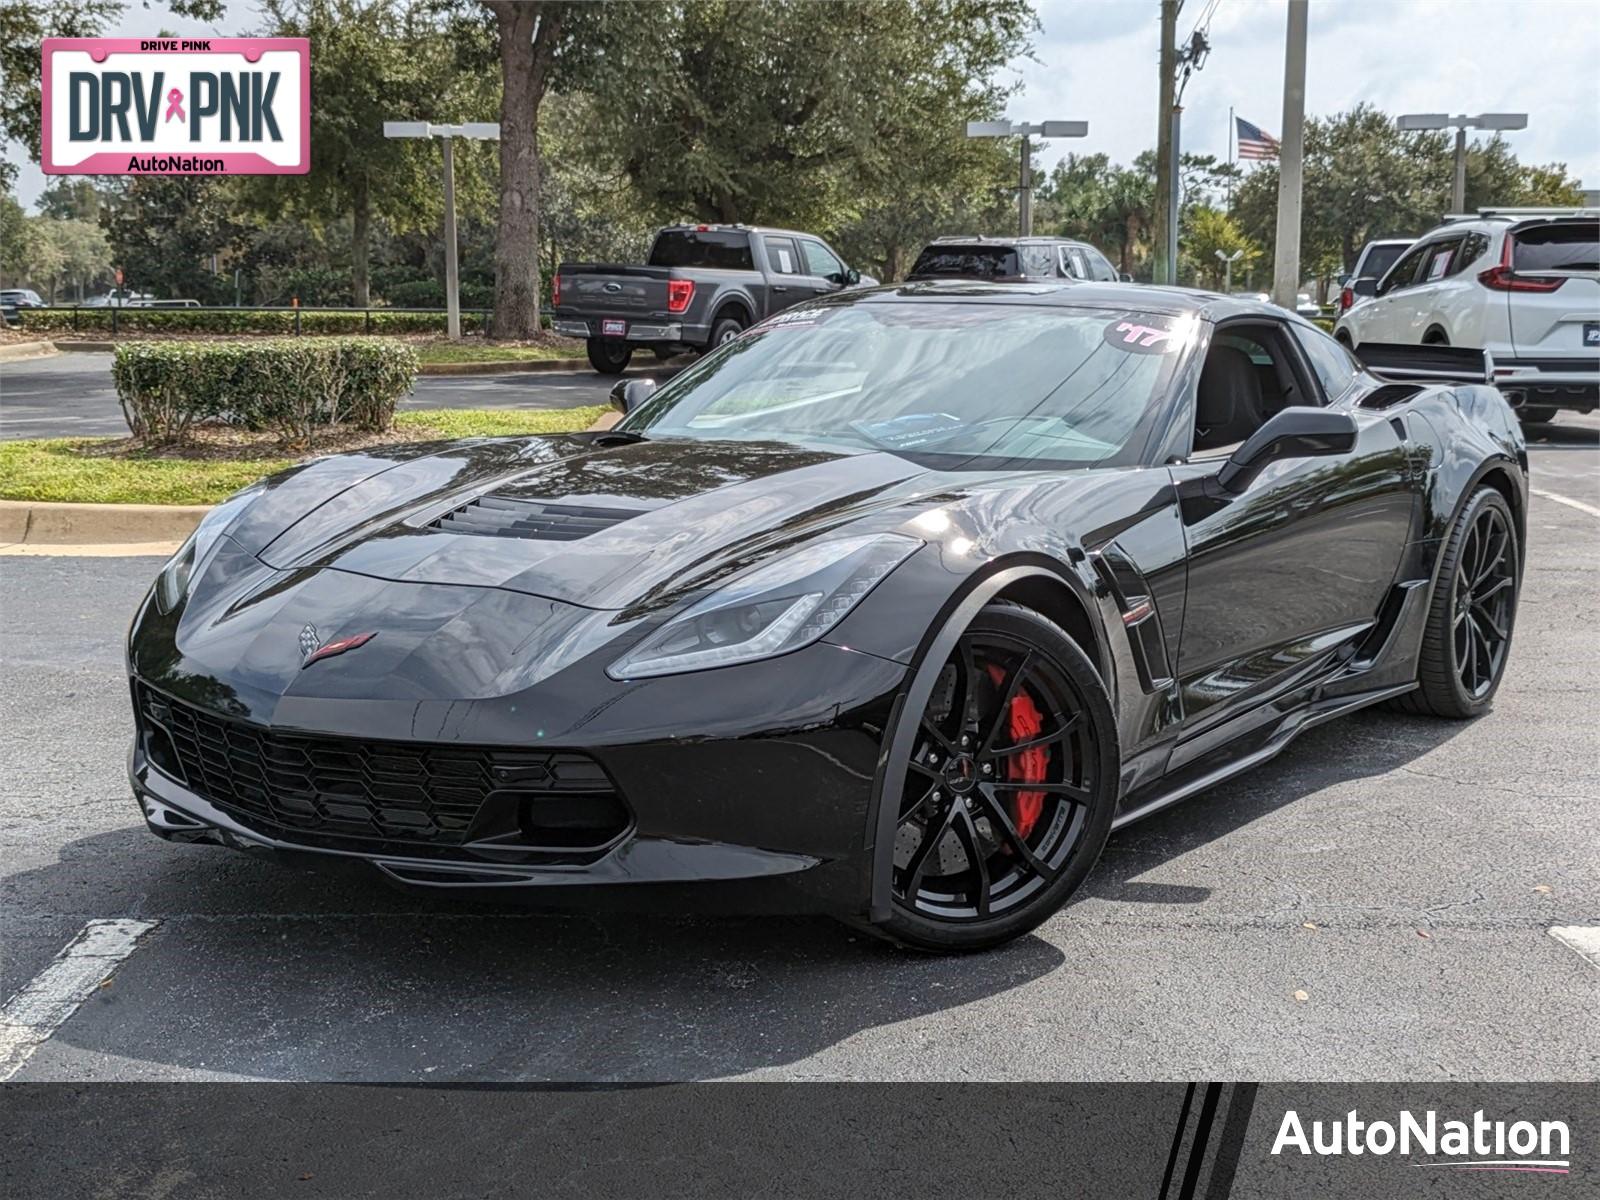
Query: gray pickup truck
x=700, y=286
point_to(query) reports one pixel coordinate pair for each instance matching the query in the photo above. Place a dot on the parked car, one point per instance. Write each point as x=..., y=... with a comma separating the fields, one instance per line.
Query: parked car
x=701, y=285
x=165, y=304
x=1306, y=306
x=1521, y=284
x=118, y=298
x=893, y=609
x=21, y=298
x=1005, y=258
x=1375, y=259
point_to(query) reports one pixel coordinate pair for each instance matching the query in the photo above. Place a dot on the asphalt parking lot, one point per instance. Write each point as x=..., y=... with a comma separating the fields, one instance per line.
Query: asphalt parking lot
x=71, y=395
x=1375, y=904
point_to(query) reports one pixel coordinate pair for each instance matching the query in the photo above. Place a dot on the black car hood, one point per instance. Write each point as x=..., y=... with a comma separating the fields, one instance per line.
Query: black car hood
x=657, y=517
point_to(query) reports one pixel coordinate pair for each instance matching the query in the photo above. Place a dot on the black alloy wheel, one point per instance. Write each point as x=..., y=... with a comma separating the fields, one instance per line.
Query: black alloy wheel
x=1010, y=788
x=1468, y=635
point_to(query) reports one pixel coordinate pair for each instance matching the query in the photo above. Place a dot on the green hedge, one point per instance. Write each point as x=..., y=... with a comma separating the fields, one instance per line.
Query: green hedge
x=293, y=385
x=235, y=320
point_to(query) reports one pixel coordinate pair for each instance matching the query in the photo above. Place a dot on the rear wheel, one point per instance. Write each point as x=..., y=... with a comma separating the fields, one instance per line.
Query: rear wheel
x=1468, y=635
x=1535, y=416
x=1010, y=790
x=607, y=357
x=724, y=331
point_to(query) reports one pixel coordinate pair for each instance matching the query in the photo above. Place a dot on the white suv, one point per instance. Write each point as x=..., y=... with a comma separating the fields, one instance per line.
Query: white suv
x=1522, y=284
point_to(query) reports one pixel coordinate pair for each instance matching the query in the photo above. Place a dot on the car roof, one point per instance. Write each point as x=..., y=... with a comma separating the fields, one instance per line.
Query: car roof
x=714, y=227
x=984, y=239
x=1071, y=293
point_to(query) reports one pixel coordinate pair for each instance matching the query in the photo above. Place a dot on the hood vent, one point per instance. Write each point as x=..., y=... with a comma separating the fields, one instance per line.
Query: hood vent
x=505, y=516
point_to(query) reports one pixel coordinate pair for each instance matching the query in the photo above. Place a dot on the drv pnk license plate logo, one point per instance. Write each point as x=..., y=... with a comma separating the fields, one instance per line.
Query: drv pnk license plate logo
x=176, y=106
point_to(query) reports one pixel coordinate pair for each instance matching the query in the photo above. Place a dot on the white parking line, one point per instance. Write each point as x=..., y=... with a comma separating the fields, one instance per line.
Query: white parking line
x=54, y=994
x=1568, y=501
x=1585, y=939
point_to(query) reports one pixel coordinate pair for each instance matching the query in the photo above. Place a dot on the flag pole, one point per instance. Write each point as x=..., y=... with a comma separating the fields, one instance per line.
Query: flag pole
x=1230, y=158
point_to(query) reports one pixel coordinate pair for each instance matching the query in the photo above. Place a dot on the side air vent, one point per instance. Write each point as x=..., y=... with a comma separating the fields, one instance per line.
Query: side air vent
x=505, y=516
x=1389, y=395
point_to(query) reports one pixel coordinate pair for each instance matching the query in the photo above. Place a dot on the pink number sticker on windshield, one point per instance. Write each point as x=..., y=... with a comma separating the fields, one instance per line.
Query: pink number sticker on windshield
x=1139, y=336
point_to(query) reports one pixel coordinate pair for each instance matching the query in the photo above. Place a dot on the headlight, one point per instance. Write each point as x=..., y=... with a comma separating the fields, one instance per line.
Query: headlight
x=786, y=604
x=173, y=584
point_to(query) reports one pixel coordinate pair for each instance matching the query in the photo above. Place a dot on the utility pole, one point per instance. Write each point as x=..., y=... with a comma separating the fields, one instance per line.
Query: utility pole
x=1411, y=122
x=1291, y=155
x=1025, y=190
x=1166, y=249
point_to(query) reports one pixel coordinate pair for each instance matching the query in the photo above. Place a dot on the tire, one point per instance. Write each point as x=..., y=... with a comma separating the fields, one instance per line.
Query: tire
x=723, y=331
x=1343, y=339
x=1436, y=337
x=1018, y=703
x=609, y=358
x=1536, y=416
x=1466, y=642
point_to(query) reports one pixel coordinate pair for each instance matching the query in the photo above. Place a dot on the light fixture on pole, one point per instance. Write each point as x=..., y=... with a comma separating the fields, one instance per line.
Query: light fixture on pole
x=488, y=131
x=1044, y=129
x=1414, y=122
x=1227, y=267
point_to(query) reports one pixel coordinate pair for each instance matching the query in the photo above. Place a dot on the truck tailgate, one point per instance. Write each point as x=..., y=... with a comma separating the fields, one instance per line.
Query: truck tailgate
x=614, y=289
x=1556, y=311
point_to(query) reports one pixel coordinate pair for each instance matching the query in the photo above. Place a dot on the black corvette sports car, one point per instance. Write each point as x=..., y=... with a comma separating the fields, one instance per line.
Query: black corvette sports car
x=893, y=608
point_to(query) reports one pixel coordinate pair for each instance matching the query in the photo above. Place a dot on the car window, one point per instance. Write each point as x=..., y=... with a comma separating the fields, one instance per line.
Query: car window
x=973, y=262
x=1403, y=272
x=1437, y=263
x=820, y=260
x=721, y=249
x=1248, y=377
x=954, y=381
x=782, y=257
x=1333, y=364
x=1380, y=258
x=1036, y=260
x=1473, y=247
x=1557, y=246
x=1100, y=266
x=1064, y=262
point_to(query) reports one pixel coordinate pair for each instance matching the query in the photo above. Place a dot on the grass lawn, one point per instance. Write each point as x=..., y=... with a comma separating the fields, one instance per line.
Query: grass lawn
x=476, y=350
x=118, y=471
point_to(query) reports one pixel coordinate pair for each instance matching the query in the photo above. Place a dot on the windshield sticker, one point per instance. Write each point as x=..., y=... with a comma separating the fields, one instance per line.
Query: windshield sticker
x=1140, y=338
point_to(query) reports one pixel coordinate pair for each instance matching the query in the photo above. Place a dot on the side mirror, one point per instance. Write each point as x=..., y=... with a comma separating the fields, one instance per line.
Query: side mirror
x=1292, y=433
x=1364, y=285
x=851, y=276
x=629, y=394
x=1125, y=276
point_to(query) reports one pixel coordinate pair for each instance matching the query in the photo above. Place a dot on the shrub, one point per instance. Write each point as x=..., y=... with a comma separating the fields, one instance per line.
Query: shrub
x=292, y=385
x=276, y=321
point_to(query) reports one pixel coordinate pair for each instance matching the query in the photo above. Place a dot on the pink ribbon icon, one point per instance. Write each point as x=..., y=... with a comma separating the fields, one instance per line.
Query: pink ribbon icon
x=175, y=105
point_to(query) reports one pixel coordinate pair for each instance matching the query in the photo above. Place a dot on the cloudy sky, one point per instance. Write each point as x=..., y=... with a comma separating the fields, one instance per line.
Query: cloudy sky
x=1095, y=60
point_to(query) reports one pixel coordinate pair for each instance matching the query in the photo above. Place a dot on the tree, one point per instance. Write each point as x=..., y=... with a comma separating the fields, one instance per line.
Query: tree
x=371, y=60
x=1206, y=231
x=165, y=229
x=24, y=24
x=792, y=112
x=531, y=35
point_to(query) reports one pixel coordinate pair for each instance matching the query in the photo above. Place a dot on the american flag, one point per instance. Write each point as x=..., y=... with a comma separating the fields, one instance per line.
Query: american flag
x=1254, y=142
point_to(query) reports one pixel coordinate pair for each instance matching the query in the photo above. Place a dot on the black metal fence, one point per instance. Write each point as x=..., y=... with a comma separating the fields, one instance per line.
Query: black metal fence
x=292, y=320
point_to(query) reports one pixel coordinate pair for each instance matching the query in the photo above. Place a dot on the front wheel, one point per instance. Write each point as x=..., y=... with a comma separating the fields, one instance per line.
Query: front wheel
x=1468, y=634
x=1536, y=416
x=609, y=358
x=1010, y=790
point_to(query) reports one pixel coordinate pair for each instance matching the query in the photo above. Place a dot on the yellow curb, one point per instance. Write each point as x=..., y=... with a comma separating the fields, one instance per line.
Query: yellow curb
x=37, y=523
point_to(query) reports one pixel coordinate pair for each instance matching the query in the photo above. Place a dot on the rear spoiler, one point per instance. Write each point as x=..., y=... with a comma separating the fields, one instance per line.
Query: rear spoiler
x=1426, y=364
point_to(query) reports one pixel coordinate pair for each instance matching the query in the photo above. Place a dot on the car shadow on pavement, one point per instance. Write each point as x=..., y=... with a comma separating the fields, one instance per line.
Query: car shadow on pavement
x=1365, y=744
x=259, y=970
x=1561, y=437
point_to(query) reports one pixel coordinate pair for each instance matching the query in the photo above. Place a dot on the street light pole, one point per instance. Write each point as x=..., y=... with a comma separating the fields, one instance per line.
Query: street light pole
x=1291, y=159
x=1227, y=267
x=1045, y=129
x=480, y=130
x=1413, y=122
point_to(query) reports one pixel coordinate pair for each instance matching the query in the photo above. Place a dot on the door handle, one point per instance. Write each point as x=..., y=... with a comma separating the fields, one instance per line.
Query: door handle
x=778, y=288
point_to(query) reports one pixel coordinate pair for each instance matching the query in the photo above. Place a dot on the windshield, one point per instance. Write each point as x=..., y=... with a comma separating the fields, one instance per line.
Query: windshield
x=1024, y=384
x=1381, y=258
x=970, y=262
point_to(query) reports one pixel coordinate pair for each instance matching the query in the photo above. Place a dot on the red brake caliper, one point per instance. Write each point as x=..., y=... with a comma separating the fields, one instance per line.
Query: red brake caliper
x=1024, y=722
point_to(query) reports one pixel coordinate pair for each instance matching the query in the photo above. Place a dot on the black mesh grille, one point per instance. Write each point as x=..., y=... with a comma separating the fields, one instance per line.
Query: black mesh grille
x=507, y=516
x=383, y=795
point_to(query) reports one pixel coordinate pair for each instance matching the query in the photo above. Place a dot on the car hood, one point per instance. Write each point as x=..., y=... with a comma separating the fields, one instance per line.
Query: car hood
x=627, y=527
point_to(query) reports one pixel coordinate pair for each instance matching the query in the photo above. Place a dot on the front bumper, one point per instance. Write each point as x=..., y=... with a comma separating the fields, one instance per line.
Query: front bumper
x=720, y=788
